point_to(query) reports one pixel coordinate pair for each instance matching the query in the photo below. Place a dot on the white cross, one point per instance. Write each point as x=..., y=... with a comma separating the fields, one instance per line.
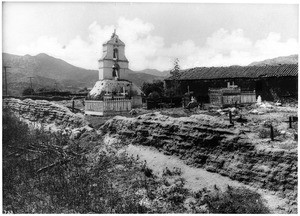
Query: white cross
x=124, y=93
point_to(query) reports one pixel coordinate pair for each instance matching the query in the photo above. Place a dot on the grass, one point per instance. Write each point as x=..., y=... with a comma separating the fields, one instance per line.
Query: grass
x=49, y=173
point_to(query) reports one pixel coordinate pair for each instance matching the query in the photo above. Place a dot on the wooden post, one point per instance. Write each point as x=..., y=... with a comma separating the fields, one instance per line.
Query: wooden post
x=290, y=121
x=271, y=132
x=230, y=117
x=5, y=76
x=73, y=104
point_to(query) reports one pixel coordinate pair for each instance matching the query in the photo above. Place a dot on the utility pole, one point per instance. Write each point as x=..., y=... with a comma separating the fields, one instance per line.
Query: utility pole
x=31, y=81
x=5, y=76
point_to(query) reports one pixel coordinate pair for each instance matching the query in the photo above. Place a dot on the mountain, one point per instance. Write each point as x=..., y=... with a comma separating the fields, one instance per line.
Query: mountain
x=156, y=72
x=292, y=59
x=139, y=78
x=48, y=71
x=43, y=65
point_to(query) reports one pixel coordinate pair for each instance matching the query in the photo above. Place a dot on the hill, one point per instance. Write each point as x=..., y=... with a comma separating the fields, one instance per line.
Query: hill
x=156, y=72
x=48, y=71
x=292, y=59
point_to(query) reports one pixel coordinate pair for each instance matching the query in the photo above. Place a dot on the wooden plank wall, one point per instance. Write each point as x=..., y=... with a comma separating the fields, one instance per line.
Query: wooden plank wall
x=248, y=97
x=117, y=105
x=95, y=106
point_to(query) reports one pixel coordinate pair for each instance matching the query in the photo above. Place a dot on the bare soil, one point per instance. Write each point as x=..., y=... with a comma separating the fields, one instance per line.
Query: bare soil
x=197, y=178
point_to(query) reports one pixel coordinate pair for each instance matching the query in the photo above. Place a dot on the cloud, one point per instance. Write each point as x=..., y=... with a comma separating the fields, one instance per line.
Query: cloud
x=272, y=45
x=146, y=50
x=223, y=41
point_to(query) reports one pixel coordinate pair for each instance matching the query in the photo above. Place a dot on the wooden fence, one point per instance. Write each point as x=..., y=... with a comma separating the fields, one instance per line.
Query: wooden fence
x=215, y=97
x=107, y=107
x=118, y=105
x=231, y=99
x=248, y=97
x=225, y=97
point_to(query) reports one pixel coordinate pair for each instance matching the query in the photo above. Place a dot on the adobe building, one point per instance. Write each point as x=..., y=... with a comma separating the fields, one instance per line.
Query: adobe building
x=272, y=83
x=112, y=94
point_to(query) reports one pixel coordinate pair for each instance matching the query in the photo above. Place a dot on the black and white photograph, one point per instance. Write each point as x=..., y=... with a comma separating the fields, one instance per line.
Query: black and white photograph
x=167, y=107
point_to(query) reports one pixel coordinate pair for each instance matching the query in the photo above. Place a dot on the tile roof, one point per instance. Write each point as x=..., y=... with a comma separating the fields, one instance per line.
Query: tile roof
x=236, y=72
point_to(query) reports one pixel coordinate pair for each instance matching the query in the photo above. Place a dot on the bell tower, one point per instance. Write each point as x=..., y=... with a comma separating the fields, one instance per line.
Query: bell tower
x=113, y=65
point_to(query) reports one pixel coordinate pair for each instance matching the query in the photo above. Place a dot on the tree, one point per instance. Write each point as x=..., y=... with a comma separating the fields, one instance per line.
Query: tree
x=28, y=91
x=156, y=86
x=176, y=67
x=174, y=90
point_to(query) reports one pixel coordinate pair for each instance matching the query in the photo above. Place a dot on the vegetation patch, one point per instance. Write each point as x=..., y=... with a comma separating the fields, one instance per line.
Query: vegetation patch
x=266, y=133
x=233, y=200
x=172, y=172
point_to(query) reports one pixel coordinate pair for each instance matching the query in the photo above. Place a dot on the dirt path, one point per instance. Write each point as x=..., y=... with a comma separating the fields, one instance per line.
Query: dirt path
x=197, y=178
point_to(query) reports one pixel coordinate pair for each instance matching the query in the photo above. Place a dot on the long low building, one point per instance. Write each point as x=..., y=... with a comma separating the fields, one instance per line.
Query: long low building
x=270, y=82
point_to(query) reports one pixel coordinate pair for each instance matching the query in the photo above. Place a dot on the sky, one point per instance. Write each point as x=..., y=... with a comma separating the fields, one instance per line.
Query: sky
x=155, y=34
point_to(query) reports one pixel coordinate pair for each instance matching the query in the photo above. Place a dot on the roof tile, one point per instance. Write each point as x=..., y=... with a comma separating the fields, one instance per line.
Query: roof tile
x=237, y=72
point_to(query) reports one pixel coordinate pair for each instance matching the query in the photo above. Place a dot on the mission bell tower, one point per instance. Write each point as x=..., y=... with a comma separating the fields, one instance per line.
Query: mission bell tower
x=113, y=65
x=113, y=94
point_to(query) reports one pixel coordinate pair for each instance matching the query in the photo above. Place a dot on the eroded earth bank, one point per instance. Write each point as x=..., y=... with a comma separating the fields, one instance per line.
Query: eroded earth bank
x=205, y=149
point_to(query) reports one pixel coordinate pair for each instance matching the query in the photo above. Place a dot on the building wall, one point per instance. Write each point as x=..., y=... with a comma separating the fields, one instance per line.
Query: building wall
x=269, y=89
x=107, y=61
x=105, y=69
x=108, y=51
x=277, y=88
x=137, y=101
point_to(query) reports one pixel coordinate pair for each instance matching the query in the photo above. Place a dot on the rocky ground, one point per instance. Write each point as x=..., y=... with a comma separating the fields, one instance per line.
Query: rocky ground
x=204, y=145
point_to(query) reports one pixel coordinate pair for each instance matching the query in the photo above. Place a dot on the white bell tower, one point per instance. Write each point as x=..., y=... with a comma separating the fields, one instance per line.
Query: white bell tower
x=113, y=65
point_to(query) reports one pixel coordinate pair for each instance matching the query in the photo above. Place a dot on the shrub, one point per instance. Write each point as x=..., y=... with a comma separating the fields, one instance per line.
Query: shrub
x=156, y=87
x=174, y=171
x=28, y=91
x=233, y=201
x=265, y=132
x=170, y=197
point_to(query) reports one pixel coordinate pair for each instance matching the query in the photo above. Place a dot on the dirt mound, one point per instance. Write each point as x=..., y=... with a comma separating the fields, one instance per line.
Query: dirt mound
x=208, y=142
x=45, y=112
x=49, y=116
